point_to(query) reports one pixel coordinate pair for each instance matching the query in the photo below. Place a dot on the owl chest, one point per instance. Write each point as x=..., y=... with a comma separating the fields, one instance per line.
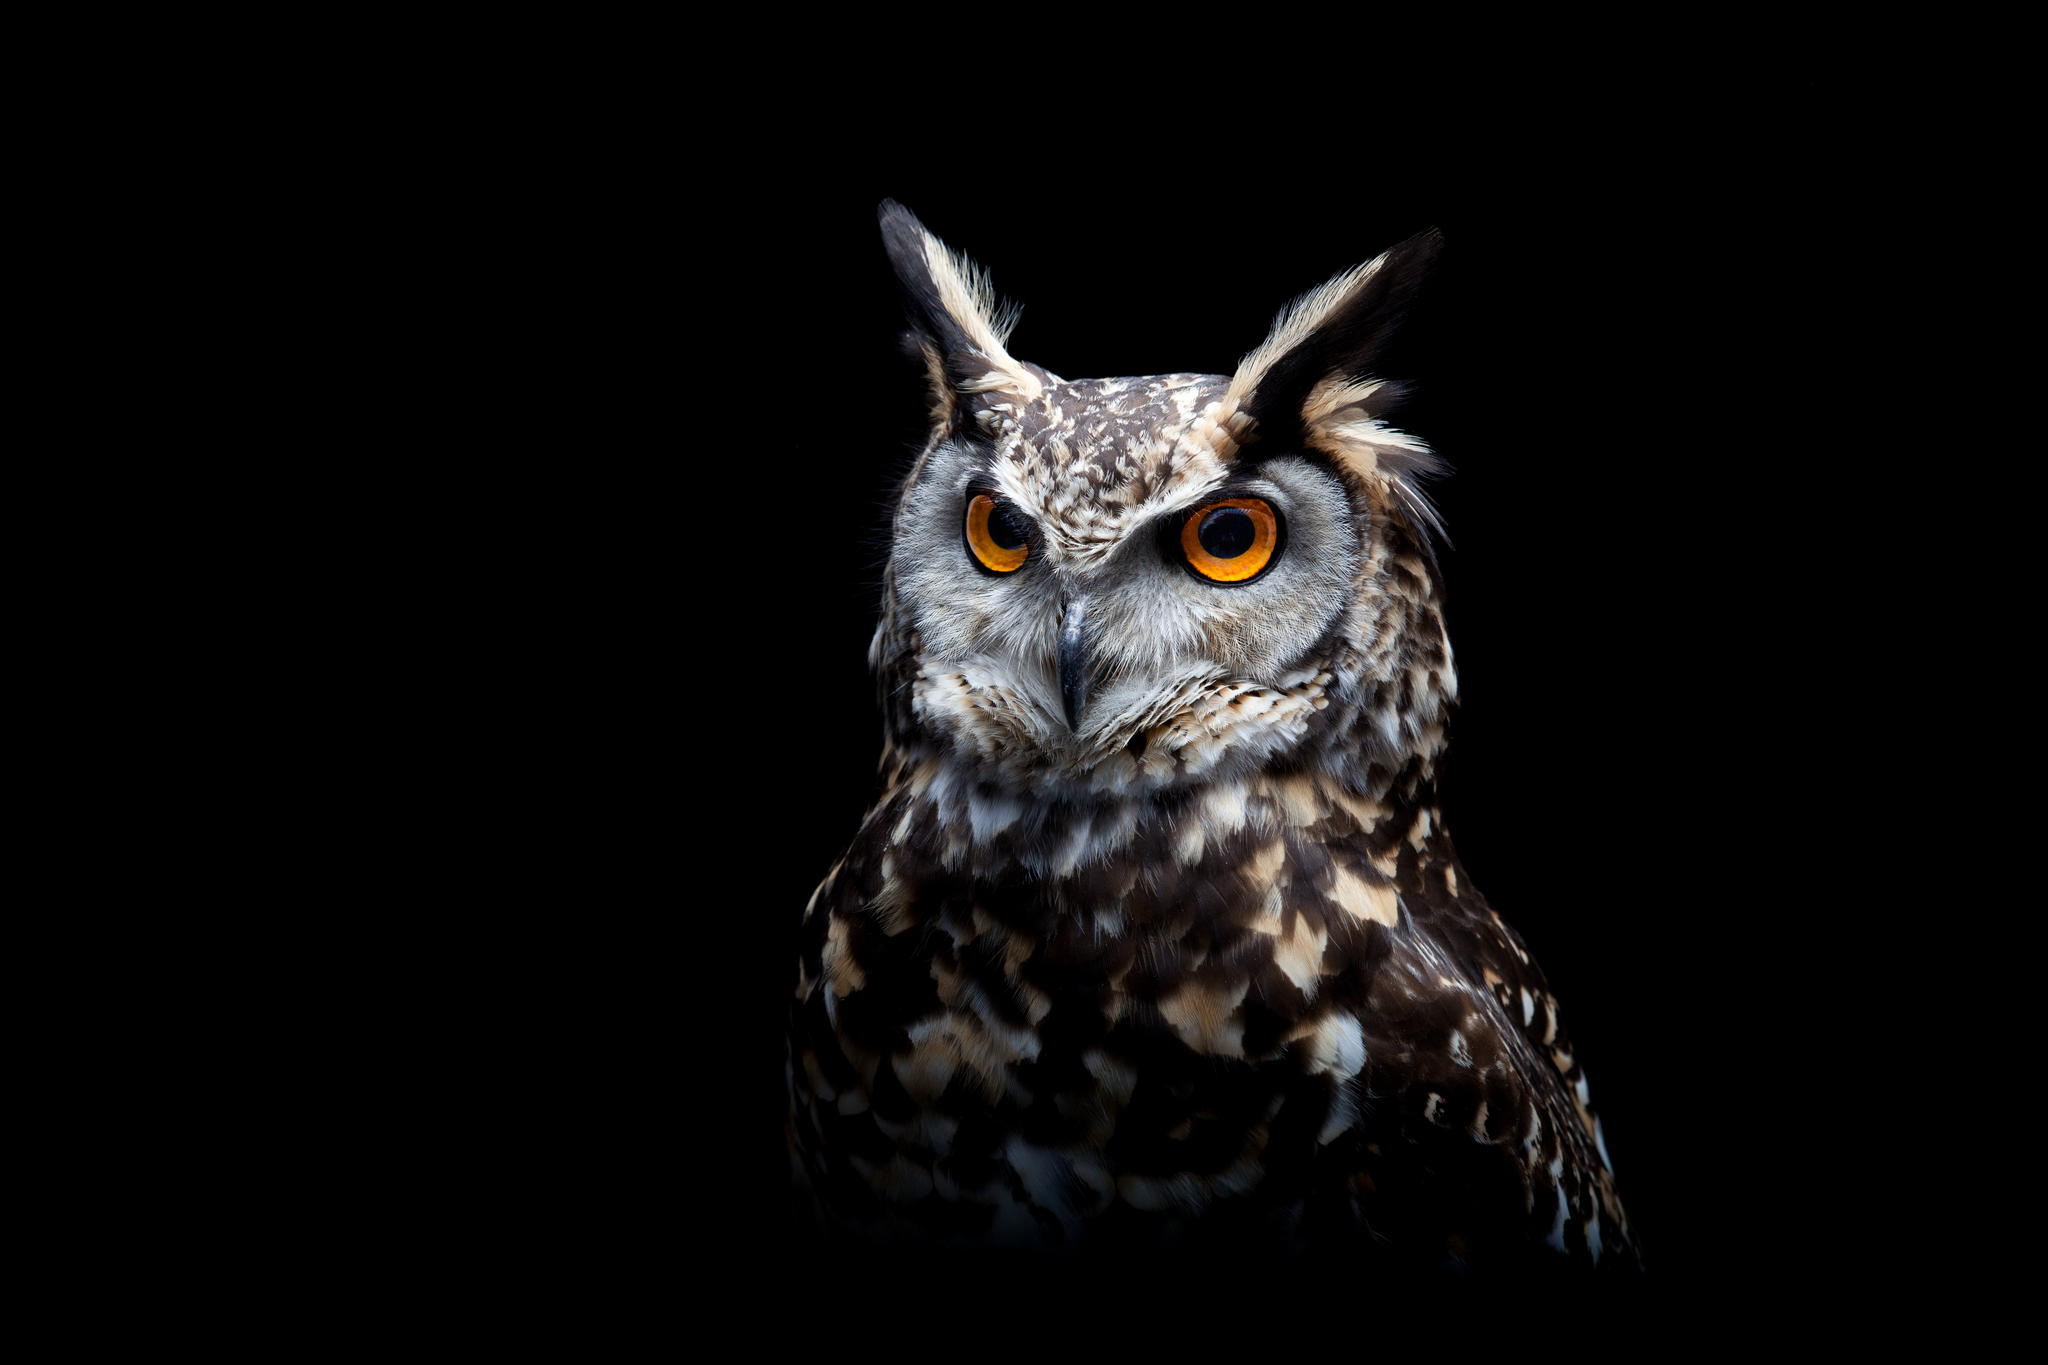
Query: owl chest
x=1010, y=1050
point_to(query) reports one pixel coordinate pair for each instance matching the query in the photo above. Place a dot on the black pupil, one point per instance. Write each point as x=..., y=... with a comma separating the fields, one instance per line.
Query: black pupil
x=1228, y=532
x=1006, y=527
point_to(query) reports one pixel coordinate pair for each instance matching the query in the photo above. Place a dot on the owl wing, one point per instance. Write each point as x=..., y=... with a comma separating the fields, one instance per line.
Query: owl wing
x=1472, y=1052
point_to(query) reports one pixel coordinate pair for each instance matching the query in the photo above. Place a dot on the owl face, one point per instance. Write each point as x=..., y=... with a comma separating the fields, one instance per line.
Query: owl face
x=1128, y=583
x=1086, y=619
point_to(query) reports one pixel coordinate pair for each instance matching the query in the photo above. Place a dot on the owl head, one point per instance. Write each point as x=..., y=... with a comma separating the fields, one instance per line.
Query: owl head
x=1123, y=585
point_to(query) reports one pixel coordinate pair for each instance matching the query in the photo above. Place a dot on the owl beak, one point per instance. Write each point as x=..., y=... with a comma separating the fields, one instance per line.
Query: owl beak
x=1074, y=668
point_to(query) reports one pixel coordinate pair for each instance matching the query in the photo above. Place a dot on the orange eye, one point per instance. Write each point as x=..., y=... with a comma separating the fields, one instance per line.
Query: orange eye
x=1231, y=541
x=997, y=534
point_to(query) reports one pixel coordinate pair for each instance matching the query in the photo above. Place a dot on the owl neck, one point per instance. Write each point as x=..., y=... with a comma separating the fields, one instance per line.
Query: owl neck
x=1105, y=848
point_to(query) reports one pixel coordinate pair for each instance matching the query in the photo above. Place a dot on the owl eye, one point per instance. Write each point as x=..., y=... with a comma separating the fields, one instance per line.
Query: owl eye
x=1232, y=541
x=998, y=535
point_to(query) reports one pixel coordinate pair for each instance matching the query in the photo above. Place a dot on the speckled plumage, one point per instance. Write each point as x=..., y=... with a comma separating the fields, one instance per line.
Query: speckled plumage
x=1198, y=964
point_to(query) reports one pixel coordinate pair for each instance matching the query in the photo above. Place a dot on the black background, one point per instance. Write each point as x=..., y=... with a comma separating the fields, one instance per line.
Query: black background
x=1630, y=374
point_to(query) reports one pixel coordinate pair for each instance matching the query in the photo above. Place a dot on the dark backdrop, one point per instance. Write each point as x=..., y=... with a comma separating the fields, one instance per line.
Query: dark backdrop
x=1624, y=355
x=1588, y=362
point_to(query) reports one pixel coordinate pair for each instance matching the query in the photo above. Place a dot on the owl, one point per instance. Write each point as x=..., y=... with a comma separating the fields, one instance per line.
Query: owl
x=1154, y=936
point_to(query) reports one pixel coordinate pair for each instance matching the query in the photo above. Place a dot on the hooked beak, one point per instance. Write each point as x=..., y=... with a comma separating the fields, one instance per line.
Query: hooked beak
x=1074, y=667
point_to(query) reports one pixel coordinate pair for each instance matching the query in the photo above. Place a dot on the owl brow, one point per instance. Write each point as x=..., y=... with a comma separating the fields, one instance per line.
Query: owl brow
x=1232, y=486
x=982, y=481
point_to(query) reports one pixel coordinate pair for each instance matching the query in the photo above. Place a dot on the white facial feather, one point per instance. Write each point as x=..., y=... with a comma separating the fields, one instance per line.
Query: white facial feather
x=1165, y=642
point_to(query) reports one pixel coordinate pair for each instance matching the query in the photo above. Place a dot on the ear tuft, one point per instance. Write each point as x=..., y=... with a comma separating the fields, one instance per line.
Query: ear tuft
x=955, y=321
x=1333, y=334
x=1308, y=384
